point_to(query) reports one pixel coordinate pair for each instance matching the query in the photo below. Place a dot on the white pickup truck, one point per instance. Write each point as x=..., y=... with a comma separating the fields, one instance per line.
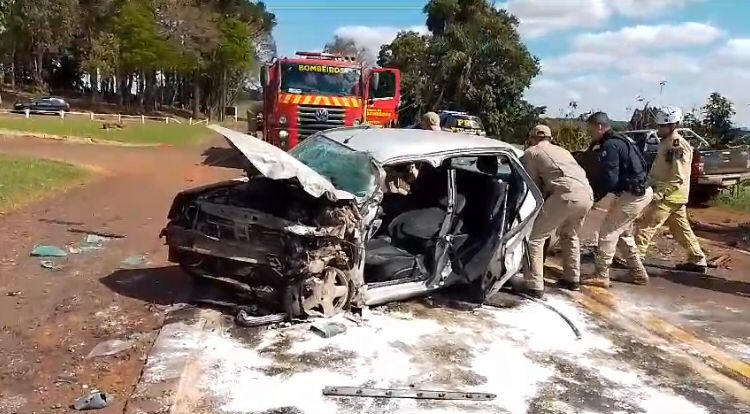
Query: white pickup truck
x=713, y=169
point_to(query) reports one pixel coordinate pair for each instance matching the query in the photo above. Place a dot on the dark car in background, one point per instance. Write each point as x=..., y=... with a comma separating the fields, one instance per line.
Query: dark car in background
x=455, y=121
x=48, y=104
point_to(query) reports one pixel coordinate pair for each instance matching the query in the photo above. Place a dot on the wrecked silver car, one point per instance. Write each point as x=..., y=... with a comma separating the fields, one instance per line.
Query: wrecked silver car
x=359, y=216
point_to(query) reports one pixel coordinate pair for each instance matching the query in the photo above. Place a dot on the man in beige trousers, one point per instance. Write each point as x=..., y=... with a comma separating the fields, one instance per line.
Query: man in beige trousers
x=567, y=200
x=615, y=166
x=670, y=179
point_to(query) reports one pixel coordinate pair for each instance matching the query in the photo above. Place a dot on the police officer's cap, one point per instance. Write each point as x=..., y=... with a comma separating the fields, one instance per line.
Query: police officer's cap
x=541, y=131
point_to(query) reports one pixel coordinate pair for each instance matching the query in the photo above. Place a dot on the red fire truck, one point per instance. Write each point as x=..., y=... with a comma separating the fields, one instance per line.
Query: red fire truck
x=317, y=91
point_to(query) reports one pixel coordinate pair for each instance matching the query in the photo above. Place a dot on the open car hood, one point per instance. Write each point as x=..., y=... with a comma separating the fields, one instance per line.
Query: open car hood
x=272, y=162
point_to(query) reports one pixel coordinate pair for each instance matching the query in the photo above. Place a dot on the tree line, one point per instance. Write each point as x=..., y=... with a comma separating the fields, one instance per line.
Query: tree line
x=471, y=60
x=143, y=54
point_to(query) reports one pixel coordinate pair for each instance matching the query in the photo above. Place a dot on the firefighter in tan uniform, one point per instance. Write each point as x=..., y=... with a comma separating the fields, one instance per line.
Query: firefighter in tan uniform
x=616, y=167
x=670, y=179
x=567, y=200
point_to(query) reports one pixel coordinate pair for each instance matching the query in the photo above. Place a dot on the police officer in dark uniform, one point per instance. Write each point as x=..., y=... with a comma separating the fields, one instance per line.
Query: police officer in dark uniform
x=615, y=166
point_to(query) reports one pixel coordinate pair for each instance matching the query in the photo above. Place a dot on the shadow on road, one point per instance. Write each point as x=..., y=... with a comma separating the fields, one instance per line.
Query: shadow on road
x=664, y=271
x=223, y=157
x=709, y=282
x=158, y=285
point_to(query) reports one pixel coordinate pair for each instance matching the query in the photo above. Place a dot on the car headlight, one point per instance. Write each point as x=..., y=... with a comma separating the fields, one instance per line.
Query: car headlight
x=282, y=120
x=283, y=134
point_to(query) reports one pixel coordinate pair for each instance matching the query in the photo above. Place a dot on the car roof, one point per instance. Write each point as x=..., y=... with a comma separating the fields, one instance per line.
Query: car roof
x=385, y=144
x=455, y=113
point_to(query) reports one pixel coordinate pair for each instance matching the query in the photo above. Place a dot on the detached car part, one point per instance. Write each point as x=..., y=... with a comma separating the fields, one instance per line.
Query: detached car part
x=407, y=393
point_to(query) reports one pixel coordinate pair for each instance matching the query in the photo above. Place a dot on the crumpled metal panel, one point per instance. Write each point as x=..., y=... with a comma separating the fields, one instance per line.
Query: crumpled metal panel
x=272, y=162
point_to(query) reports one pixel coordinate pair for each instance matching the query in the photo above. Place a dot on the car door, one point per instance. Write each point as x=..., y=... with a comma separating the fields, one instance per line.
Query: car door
x=509, y=246
x=512, y=250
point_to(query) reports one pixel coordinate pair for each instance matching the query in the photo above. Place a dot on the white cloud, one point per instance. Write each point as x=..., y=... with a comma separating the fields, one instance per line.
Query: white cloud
x=577, y=62
x=372, y=37
x=644, y=8
x=655, y=37
x=614, y=85
x=736, y=51
x=642, y=52
x=541, y=17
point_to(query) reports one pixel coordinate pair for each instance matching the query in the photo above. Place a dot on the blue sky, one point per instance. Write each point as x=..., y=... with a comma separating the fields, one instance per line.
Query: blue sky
x=604, y=54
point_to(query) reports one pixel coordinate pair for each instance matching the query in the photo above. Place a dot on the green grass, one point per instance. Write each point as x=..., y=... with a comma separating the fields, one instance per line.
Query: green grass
x=737, y=198
x=23, y=180
x=134, y=132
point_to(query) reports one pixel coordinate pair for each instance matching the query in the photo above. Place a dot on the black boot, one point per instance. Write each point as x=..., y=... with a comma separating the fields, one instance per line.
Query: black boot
x=534, y=293
x=691, y=267
x=568, y=285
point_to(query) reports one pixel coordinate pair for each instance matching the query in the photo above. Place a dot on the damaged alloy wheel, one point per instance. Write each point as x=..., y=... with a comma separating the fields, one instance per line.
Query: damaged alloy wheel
x=323, y=296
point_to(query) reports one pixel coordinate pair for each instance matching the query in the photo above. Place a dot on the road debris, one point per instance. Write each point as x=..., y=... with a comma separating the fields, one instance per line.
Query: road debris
x=14, y=293
x=720, y=261
x=47, y=251
x=247, y=320
x=111, y=347
x=134, y=262
x=97, y=233
x=65, y=378
x=95, y=239
x=50, y=265
x=61, y=222
x=407, y=393
x=328, y=329
x=94, y=401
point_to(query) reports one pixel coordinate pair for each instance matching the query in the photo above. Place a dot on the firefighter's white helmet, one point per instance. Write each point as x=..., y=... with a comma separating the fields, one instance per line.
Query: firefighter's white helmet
x=669, y=115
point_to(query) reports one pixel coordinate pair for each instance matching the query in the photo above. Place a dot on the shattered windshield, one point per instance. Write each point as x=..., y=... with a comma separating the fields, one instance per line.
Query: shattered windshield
x=319, y=79
x=346, y=169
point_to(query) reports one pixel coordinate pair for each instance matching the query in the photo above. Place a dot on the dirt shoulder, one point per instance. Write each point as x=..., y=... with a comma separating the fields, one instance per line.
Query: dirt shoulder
x=51, y=320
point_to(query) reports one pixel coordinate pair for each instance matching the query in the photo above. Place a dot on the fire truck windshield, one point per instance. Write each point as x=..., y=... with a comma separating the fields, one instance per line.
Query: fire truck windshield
x=319, y=79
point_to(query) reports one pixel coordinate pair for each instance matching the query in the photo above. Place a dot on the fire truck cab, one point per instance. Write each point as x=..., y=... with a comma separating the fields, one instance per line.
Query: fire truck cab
x=318, y=91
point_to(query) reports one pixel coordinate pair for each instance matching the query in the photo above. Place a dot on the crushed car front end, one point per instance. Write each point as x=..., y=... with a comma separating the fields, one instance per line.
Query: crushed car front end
x=282, y=251
x=286, y=238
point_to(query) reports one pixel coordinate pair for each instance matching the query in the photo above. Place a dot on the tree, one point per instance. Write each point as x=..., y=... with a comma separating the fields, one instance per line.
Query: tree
x=473, y=61
x=693, y=119
x=156, y=51
x=408, y=52
x=39, y=30
x=717, y=117
x=348, y=47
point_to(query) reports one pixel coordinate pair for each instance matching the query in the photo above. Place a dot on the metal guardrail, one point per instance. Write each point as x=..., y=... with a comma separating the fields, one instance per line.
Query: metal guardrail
x=98, y=116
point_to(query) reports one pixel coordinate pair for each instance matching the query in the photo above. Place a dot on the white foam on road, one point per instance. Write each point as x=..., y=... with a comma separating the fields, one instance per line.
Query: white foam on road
x=499, y=351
